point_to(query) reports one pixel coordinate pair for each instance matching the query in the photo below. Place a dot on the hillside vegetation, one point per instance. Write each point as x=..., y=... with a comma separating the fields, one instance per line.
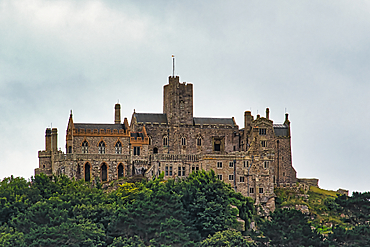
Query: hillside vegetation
x=197, y=211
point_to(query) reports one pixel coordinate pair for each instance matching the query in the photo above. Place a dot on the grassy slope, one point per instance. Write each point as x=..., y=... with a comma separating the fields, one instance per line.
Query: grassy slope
x=319, y=203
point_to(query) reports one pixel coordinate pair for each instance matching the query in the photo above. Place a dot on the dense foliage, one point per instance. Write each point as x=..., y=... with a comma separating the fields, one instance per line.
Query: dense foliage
x=58, y=211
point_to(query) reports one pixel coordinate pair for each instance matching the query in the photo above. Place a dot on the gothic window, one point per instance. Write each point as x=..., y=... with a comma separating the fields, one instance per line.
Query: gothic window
x=183, y=141
x=262, y=131
x=87, y=172
x=231, y=164
x=120, y=170
x=219, y=165
x=260, y=190
x=103, y=172
x=70, y=149
x=263, y=144
x=241, y=179
x=199, y=141
x=219, y=176
x=217, y=144
x=150, y=140
x=85, y=147
x=101, y=147
x=251, y=190
x=231, y=177
x=118, y=147
x=137, y=151
x=165, y=141
x=155, y=150
x=266, y=164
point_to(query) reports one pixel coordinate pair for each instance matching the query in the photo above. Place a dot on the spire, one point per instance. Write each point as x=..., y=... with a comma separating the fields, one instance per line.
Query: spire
x=173, y=65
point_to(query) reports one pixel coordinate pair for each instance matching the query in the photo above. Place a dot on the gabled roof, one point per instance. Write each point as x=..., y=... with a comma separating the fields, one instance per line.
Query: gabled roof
x=281, y=130
x=98, y=126
x=151, y=118
x=136, y=135
x=217, y=121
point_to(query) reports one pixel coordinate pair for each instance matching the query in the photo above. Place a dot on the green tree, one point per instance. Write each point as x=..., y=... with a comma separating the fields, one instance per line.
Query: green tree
x=227, y=238
x=289, y=227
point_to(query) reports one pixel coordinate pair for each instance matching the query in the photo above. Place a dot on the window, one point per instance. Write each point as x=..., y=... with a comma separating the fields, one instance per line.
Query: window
x=170, y=171
x=155, y=150
x=234, y=148
x=87, y=172
x=241, y=179
x=231, y=164
x=197, y=168
x=181, y=171
x=262, y=131
x=166, y=171
x=263, y=144
x=266, y=164
x=219, y=165
x=219, y=176
x=260, y=190
x=246, y=163
x=101, y=147
x=85, y=147
x=103, y=172
x=150, y=140
x=165, y=141
x=199, y=141
x=118, y=147
x=251, y=190
x=70, y=149
x=283, y=174
x=183, y=141
x=137, y=151
x=231, y=177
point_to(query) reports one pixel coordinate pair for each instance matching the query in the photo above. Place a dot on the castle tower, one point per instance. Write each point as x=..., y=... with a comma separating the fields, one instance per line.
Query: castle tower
x=178, y=101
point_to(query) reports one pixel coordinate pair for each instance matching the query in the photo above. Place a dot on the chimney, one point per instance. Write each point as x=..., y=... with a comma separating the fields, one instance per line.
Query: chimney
x=48, y=139
x=247, y=119
x=267, y=113
x=117, y=114
x=54, y=139
x=287, y=122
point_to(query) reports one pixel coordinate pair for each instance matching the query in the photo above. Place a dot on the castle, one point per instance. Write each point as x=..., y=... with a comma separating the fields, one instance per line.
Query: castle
x=252, y=159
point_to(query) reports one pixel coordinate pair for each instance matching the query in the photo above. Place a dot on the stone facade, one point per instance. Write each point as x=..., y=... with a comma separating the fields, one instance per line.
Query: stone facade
x=252, y=159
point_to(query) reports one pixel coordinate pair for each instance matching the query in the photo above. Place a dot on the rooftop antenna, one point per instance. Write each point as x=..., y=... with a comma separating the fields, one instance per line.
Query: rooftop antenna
x=285, y=109
x=173, y=65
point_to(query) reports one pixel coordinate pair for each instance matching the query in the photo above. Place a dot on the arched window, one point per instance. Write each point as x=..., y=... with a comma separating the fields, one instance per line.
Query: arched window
x=155, y=150
x=101, y=147
x=183, y=141
x=199, y=141
x=103, y=172
x=120, y=171
x=85, y=147
x=78, y=172
x=87, y=172
x=150, y=140
x=118, y=147
x=165, y=141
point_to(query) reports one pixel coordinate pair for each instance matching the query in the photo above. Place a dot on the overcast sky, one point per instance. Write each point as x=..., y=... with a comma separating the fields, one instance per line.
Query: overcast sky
x=309, y=58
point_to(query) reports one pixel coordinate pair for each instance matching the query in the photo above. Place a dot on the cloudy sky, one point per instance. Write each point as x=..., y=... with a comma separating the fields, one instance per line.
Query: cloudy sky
x=308, y=58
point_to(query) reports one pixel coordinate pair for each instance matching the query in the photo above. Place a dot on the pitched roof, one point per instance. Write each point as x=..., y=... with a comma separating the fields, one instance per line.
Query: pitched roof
x=203, y=120
x=281, y=130
x=151, y=118
x=137, y=134
x=99, y=126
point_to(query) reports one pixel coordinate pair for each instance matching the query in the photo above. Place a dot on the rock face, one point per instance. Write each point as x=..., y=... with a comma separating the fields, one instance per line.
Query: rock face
x=252, y=159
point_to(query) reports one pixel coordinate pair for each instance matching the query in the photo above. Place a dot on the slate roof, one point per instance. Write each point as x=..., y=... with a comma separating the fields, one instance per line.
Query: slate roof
x=203, y=120
x=281, y=130
x=151, y=118
x=99, y=126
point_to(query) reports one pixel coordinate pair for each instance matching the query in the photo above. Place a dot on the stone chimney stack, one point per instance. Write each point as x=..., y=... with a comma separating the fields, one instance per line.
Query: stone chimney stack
x=117, y=114
x=287, y=122
x=247, y=120
x=267, y=113
x=54, y=139
x=48, y=139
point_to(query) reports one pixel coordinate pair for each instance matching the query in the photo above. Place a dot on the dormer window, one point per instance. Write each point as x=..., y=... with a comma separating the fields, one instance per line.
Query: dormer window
x=101, y=147
x=85, y=147
x=118, y=147
x=262, y=131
